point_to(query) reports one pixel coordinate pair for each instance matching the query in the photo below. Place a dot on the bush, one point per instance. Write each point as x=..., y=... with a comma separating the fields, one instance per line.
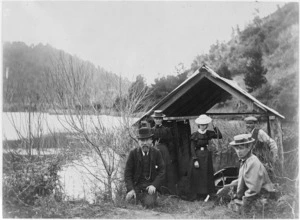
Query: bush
x=25, y=178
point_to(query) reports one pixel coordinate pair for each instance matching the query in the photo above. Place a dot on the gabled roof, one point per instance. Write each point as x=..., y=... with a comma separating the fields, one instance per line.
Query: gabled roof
x=201, y=91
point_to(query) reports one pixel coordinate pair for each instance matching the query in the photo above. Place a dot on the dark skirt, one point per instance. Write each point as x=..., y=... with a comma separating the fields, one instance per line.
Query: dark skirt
x=168, y=185
x=202, y=178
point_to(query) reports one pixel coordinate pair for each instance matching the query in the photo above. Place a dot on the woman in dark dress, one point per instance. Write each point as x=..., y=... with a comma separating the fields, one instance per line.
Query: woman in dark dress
x=162, y=141
x=202, y=174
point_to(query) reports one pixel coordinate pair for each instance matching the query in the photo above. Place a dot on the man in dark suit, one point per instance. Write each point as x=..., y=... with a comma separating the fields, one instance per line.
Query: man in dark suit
x=144, y=170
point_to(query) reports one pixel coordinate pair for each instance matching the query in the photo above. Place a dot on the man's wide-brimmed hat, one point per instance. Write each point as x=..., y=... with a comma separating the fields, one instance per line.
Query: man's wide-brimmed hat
x=203, y=120
x=144, y=133
x=250, y=119
x=158, y=114
x=242, y=139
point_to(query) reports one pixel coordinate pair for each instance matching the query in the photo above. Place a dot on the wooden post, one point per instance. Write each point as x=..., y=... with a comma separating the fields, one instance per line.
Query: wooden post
x=29, y=132
x=275, y=125
x=268, y=125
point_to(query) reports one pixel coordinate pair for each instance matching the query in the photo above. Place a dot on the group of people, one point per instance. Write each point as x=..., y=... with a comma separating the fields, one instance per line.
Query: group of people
x=147, y=166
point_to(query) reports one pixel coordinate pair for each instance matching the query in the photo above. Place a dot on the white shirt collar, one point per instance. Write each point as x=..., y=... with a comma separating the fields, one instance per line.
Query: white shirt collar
x=144, y=153
x=202, y=132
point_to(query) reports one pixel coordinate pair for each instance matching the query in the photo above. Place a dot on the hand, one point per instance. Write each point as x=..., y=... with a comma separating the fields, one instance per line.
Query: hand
x=196, y=164
x=130, y=194
x=151, y=189
x=213, y=123
x=156, y=142
x=223, y=191
x=238, y=201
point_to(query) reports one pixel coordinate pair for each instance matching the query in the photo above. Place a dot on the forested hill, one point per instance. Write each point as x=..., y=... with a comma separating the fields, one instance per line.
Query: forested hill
x=264, y=56
x=24, y=76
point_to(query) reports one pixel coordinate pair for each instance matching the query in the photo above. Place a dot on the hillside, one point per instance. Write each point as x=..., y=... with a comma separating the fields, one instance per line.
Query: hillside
x=265, y=55
x=24, y=78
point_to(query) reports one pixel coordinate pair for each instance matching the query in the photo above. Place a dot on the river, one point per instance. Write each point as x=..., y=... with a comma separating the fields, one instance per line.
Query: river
x=76, y=179
x=47, y=123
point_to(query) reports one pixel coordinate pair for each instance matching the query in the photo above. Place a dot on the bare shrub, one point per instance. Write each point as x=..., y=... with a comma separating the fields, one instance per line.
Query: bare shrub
x=71, y=92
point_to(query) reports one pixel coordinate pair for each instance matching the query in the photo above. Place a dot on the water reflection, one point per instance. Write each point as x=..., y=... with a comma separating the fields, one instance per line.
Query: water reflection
x=85, y=176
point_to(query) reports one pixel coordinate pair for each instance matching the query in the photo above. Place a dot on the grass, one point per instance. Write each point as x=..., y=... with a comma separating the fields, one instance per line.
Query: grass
x=79, y=209
x=167, y=207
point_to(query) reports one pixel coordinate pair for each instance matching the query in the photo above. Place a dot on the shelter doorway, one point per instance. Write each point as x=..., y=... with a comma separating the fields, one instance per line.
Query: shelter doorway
x=181, y=156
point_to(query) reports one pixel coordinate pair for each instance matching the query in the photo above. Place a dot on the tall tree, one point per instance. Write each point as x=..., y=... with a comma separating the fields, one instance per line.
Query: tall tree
x=224, y=71
x=255, y=72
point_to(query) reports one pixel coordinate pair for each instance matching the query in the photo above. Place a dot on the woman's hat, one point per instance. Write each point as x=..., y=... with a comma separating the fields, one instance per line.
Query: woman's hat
x=203, y=120
x=144, y=133
x=158, y=114
x=242, y=139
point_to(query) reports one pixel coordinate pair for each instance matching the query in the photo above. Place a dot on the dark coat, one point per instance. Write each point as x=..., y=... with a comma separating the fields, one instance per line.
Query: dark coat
x=162, y=133
x=164, y=137
x=165, y=145
x=133, y=168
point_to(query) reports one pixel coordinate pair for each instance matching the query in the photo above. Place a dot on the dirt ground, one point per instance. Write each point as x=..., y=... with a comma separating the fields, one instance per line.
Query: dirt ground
x=173, y=208
x=203, y=212
x=168, y=207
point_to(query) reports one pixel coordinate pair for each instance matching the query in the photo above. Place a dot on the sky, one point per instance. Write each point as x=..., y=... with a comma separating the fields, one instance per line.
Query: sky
x=130, y=38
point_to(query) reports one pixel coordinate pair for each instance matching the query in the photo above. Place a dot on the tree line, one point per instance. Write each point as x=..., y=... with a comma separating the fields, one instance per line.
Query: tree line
x=26, y=71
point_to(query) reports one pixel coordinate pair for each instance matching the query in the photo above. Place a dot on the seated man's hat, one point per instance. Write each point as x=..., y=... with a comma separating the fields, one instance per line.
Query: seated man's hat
x=242, y=139
x=144, y=133
x=250, y=119
x=203, y=120
x=158, y=114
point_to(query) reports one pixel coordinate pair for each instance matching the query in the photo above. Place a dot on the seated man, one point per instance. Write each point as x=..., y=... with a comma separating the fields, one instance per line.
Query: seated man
x=144, y=170
x=253, y=179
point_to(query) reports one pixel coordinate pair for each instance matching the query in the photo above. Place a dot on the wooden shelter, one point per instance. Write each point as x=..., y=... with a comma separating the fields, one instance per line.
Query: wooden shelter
x=197, y=95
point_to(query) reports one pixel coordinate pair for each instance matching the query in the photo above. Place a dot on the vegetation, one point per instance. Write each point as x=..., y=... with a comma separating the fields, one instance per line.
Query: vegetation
x=25, y=71
x=41, y=78
x=266, y=55
x=31, y=188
